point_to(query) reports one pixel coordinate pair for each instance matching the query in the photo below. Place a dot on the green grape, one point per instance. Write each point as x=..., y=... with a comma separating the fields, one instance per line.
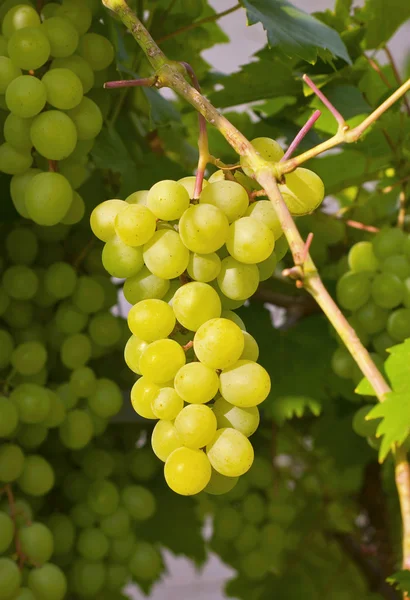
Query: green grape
x=64, y=88
x=26, y=96
x=47, y=582
x=48, y=197
x=105, y=329
x=263, y=211
x=63, y=531
x=57, y=412
x=189, y=184
x=165, y=255
x=87, y=118
x=20, y=282
x=303, y=191
x=143, y=393
x=353, y=290
x=196, y=383
x=18, y=186
x=372, y=318
x=228, y=523
x=382, y=342
x=37, y=477
x=143, y=465
x=388, y=242
x=196, y=425
x=87, y=578
x=80, y=67
x=88, y=295
x=53, y=135
x=161, y=360
x=120, y=259
x=96, y=50
x=37, y=543
x=8, y=417
x=165, y=439
x=260, y=475
x=167, y=404
x=19, y=314
x=236, y=280
x=268, y=149
x=107, y=400
x=103, y=497
x=230, y=197
x=398, y=324
x=76, y=174
x=361, y=257
x=69, y=319
x=135, y=225
x=32, y=401
x=232, y=316
x=78, y=13
x=21, y=246
x=102, y=220
x=218, y=343
x=117, y=524
x=151, y=320
x=75, y=351
x=204, y=267
x=219, y=484
x=139, y=197
x=121, y=548
x=281, y=247
x=139, y=502
x=29, y=358
x=244, y=384
x=363, y=427
x=247, y=540
x=187, y=471
x=255, y=565
x=195, y=303
x=251, y=348
x=250, y=241
x=14, y=161
x=97, y=463
x=230, y=452
x=10, y=578
x=75, y=211
x=6, y=531
x=167, y=200
x=254, y=508
x=60, y=279
x=3, y=46
x=12, y=462
x=343, y=364
x=396, y=264
x=245, y=420
x=145, y=285
x=29, y=48
x=92, y=544
x=77, y=429
x=8, y=72
x=145, y=563
x=62, y=36
x=132, y=353
x=19, y=17
x=203, y=228
x=387, y=290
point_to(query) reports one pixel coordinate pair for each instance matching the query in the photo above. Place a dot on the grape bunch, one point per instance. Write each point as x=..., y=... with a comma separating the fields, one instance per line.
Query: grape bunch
x=50, y=114
x=375, y=290
x=187, y=263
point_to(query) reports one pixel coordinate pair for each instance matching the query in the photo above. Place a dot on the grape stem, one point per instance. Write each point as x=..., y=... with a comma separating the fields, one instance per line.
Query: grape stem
x=188, y=346
x=13, y=514
x=396, y=75
x=339, y=118
x=123, y=83
x=302, y=133
x=362, y=226
x=267, y=175
x=52, y=166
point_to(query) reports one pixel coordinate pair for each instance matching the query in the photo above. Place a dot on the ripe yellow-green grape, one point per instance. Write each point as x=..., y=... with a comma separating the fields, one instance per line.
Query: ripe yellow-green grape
x=230, y=452
x=196, y=425
x=245, y=420
x=263, y=211
x=236, y=280
x=267, y=148
x=229, y=196
x=161, y=361
x=204, y=267
x=195, y=303
x=151, y=319
x=165, y=255
x=168, y=200
x=139, y=197
x=203, y=228
x=303, y=191
x=218, y=343
x=196, y=383
x=102, y=218
x=251, y=348
x=250, y=241
x=167, y=404
x=165, y=439
x=135, y=225
x=132, y=353
x=143, y=393
x=244, y=384
x=187, y=471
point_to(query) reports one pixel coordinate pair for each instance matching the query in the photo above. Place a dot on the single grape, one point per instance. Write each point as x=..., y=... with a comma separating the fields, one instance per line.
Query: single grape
x=75, y=351
x=48, y=582
x=132, y=353
x=139, y=502
x=236, y=280
x=19, y=17
x=8, y=416
x=204, y=267
x=135, y=225
x=361, y=257
x=87, y=118
x=29, y=48
x=168, y=200
x=53, y=135
x=117, y=524
x=37, y=543
x=343, y=363
x=195, y=303
x=250, y=241
x=251, y=348
x=107, y=399
x=120, y=259
x=165, y=439
x=230, y=452
x=263, y=211
x=218, y=343
x=12, y=462
x=203, y=228
x=267, y=148
x=78, y=13
x=398, y=324
x=396, y=264
x=303, y=191
x=69, y=319
x=62, y=36
x=6, y=532
x=247, y=540
x=139, y=197
x=372, y=318
x=387, y=290
x=196, y=383
x=232, y=316
x=8, y=72
x=64, y=88
x=48, y=197
x=96, y=50
x=14, y=161
x=228, y=196
x=255, y=565
x=228, y=523
x=244, y=384
x=196, y=425
x=219, y=484
x=29, y=358
x=245, y=420
x=143, y=393
x=77, y=429
x=88, y=295
x=145, y=285
x=10, y=578
x=103, y=497
x=151, y=320
x=145, y=563
x=187, y=471
x=26, y=96
x=353, y=290
x=32, y=401
x=37, y=477
x=78, y=66
x=167, y=404
x=165, y=255
x=103, y=217
x=92, y=544
x=388, y=242
x=161, y=361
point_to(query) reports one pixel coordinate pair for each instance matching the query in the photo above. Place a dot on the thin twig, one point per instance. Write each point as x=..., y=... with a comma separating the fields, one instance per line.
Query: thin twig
x=13, y=515
x=403, y=206
x=124, y=83
x=306, y=249
x=302, y=133
x=196, y=24
x=362, y=226
x=325, y=100
x=396, y=75
x=378, y=70
x=389, y=188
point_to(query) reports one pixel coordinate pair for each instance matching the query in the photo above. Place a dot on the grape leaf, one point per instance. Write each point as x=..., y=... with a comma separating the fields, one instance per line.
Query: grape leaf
x=294, y=32
x=397, y=367
x=400, y=580
x=365, y=388
x=287, y=407
x=395, y=426
x=382, y=19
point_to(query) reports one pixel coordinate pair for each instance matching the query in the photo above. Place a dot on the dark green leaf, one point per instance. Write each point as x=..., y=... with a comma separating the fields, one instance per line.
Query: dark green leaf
x=288, y=407
x=400, y=580
x=383, y=19
x=294, y=32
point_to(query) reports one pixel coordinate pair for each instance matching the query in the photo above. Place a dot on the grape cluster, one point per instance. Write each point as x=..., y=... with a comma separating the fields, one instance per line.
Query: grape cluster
x=187, y=263
x=49, y=63
x=376, y=292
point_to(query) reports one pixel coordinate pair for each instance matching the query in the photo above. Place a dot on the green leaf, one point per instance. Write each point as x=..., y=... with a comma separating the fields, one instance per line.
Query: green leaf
x=294, y=32
x=397, y=367
x=365, y=388
x=395, y=426
x=256, y=81
x=382, y=19
x=400, y=580
x=288, y=407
